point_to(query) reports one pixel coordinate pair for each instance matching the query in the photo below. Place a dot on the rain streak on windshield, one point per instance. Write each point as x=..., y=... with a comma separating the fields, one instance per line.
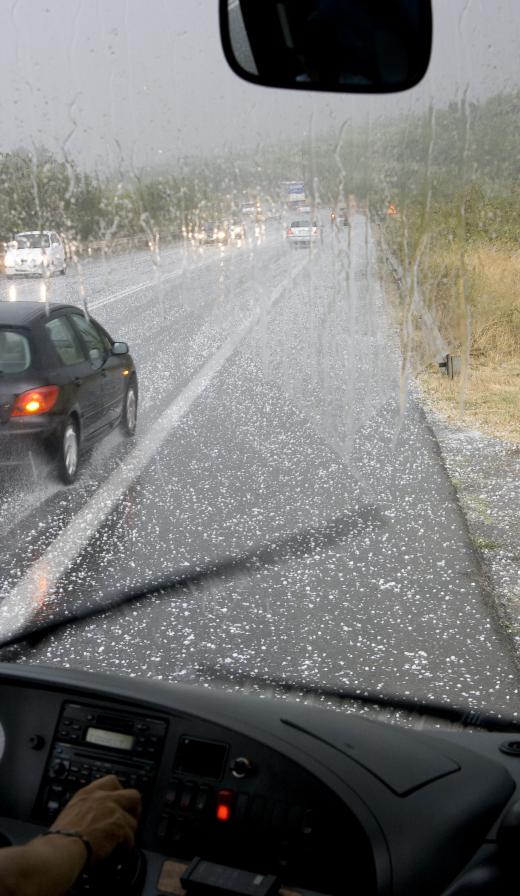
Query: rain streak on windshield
x=309, y=440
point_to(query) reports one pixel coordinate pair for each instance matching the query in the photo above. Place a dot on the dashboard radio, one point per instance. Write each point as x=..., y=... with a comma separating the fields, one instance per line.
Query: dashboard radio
x=88, y=744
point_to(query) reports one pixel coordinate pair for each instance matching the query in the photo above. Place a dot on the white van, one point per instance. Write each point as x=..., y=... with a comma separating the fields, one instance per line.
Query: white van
x=39, y=252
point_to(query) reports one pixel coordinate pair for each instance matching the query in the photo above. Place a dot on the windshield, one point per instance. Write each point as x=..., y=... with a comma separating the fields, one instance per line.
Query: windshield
x=32, y=240
x=312, y=437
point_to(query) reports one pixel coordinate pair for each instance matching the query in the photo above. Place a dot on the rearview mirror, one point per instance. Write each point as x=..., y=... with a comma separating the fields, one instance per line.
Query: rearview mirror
x=120, y=348
x=347, y=46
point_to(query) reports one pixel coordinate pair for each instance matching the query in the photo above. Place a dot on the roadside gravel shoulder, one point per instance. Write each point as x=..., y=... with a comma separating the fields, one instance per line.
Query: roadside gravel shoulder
x=486, y=474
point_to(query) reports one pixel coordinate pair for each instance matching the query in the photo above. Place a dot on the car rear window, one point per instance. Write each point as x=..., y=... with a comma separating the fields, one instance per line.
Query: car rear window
x=301, y=224
x=15, y=352
x=32, y=240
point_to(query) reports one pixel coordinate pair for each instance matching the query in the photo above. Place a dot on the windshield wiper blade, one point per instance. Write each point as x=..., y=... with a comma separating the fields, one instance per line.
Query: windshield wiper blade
x=459, y=715
x=302, y=543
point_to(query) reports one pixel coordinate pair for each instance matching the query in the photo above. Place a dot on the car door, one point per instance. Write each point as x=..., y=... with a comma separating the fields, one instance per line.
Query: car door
x=110, y=366
x=76, y=370
x=115, y=380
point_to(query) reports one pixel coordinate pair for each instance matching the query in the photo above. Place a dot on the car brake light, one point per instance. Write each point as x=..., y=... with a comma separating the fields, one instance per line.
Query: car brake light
x=35, y=401
x=289, y=231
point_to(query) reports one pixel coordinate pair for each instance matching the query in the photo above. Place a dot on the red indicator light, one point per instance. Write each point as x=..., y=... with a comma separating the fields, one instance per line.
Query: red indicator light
x=223, y=812
x=225, y=800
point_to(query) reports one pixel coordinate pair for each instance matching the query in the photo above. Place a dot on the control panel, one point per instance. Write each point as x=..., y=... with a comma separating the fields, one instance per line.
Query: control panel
x=211, y=789
x=90, y=743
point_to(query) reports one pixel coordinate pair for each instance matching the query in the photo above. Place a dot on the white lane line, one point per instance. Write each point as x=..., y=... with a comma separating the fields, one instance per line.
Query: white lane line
x=157, y=281
x=40, y=580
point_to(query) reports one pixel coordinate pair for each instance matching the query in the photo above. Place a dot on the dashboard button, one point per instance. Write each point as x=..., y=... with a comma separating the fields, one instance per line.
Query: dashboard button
x=177, y=829
x=241, y=807
x=59, y=768
x=279, y=817
x=162, y=828
x=225, y=802
x=171, y=794
x=186, y=796
x=201, y=800
x=256, y=815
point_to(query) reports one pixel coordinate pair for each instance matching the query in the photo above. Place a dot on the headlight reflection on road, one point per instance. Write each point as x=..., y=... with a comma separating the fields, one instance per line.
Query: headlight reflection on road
x=12, y=293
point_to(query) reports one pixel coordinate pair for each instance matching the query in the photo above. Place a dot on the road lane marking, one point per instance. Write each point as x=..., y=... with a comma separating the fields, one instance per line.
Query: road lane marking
x=40, y=580
x=156, y=281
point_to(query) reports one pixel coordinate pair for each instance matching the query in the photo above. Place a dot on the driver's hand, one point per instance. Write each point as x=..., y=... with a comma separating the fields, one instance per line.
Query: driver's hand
x=104, y=813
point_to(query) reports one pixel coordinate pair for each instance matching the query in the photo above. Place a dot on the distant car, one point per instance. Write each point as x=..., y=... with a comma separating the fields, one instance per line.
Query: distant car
x=37, y=252
x=237, y=232
x=213, y=233
x=64, y=383
x=302, y=233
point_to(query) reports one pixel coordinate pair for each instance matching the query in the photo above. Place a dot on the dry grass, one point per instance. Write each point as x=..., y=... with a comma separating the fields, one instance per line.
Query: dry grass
x=493, y=287
x=490, y=274
x=490, y=402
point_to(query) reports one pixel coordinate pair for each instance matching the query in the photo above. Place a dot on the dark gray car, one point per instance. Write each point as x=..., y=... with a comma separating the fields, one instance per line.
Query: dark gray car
x=64, y=383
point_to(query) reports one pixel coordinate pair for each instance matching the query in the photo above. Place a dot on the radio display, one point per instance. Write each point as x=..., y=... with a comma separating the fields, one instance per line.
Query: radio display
x=114, y=739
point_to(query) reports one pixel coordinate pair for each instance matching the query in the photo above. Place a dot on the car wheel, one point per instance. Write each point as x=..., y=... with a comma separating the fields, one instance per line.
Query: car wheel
x=129, y=415
x=68, y=452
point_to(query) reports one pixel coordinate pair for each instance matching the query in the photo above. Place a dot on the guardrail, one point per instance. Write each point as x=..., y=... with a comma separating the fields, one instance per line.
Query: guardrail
x=432, y=337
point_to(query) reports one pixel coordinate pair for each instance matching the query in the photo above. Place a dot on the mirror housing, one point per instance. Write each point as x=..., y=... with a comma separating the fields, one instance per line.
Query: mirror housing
x=344, y=46
x=120, y=348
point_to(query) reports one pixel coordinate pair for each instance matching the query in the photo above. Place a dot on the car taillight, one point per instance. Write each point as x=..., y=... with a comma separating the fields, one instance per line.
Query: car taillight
x=35, y=401
x=289, y=231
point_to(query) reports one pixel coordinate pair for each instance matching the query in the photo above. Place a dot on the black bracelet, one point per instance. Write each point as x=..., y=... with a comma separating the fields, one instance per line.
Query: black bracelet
x=86, y=843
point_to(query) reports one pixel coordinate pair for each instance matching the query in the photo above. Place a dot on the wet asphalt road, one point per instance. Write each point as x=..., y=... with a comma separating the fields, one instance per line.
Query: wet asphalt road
x=272, y=416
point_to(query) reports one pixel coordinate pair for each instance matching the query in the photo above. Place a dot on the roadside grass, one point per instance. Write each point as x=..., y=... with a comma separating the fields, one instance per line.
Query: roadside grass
x=485, y=544
x=488, y=397
x=485, y=277
x=489, y=401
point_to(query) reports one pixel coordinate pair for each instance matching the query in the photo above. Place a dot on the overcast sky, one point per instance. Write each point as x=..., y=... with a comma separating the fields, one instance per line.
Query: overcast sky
x=145, y=81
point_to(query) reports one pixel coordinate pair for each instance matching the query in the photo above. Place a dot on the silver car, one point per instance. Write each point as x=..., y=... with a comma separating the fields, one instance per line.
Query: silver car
x=302, y=233
x=37, y=252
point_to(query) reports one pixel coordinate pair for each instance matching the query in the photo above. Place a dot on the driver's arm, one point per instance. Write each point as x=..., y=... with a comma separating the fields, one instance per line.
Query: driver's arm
x=102, y=813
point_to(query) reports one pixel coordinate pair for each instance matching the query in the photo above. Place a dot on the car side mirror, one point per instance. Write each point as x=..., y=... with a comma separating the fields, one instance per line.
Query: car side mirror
x=346, y=46
x=120, y=348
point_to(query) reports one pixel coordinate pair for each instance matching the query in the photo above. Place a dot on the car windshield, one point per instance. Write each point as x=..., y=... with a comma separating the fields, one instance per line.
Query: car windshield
x=32, y=240
x=310, y=441
x=15, y=352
